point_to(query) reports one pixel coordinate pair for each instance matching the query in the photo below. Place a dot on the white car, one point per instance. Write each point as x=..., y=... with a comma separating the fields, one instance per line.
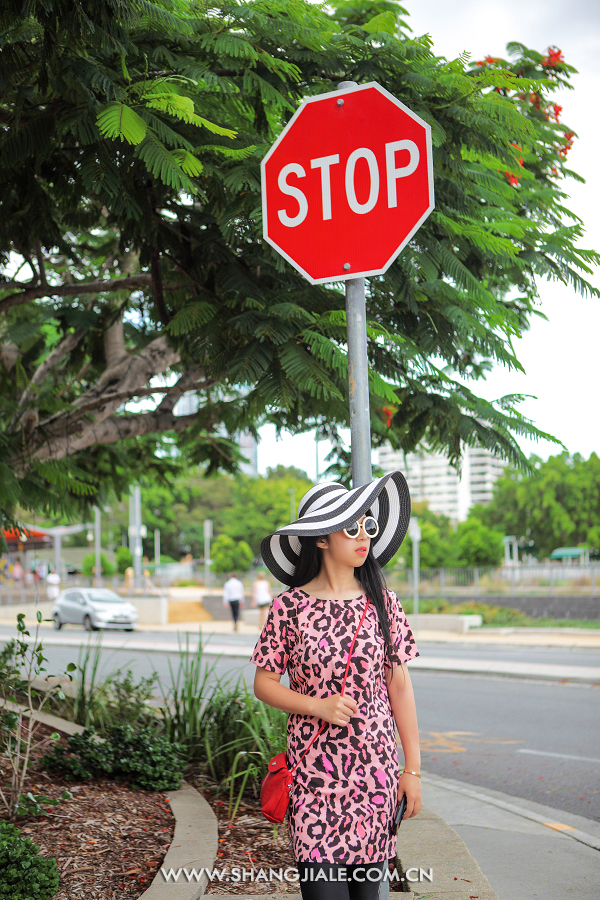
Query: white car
x=93, y=608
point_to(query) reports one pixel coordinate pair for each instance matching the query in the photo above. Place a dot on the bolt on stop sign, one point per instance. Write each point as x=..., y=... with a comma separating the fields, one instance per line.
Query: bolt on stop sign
x=347, y=183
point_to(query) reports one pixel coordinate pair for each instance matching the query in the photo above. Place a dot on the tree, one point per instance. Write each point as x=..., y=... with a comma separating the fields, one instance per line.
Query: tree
x=477, y=544
x=227, y=556
x=437, y=547
x=557, y=506
x=131, y=136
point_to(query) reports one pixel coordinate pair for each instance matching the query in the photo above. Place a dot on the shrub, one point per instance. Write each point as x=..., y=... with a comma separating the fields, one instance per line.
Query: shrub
x=89, y=563
x=145, y=760
x=227, y=556
x=24, y=874
x=124, y=559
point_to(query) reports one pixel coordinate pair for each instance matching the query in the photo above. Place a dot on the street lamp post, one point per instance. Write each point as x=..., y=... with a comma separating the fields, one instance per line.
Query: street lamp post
x=414, y=532
x=98, y=547
x=208, y=533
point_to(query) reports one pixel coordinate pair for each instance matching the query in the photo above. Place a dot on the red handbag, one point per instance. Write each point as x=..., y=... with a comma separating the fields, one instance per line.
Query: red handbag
x=278, y=784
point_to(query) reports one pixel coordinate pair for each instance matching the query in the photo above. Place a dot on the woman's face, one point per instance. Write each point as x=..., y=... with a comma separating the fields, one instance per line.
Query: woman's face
x=347, y=551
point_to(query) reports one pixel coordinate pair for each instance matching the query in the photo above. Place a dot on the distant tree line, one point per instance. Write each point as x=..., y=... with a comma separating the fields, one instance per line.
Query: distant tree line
x=559, y=505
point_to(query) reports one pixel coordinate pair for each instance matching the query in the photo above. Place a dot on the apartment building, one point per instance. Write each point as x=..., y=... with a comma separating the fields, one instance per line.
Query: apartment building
x=432, y=479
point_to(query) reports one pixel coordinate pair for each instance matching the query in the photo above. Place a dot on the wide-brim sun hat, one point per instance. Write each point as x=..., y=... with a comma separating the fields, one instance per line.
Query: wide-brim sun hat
x=330, y=507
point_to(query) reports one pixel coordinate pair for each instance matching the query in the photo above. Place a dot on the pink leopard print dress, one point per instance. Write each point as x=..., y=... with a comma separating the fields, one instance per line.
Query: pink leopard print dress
x=346, y=787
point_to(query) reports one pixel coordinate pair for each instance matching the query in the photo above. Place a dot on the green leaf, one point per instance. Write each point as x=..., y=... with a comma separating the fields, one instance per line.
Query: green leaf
x=188, y=162
x=117, y=120
x=384, y=23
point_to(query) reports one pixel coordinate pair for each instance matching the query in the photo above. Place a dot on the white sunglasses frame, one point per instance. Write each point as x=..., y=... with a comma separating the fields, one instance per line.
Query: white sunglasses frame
x=361, y=525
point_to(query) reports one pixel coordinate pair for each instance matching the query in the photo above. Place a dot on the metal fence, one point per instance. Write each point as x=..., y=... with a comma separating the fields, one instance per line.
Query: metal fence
x=542, y=580
x=478, y=581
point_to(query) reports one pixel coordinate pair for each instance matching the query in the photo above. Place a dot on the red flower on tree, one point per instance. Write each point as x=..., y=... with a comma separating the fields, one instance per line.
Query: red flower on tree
x=554, y=57
x=388, y=414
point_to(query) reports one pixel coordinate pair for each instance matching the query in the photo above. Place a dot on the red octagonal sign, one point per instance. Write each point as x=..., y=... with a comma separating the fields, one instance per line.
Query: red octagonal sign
x=347, y=183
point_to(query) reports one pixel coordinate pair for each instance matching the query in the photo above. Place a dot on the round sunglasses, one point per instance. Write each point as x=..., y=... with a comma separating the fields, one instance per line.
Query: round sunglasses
x=370, y=526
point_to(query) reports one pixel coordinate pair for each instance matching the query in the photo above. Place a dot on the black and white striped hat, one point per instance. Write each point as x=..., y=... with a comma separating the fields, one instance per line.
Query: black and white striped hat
x=330, y=507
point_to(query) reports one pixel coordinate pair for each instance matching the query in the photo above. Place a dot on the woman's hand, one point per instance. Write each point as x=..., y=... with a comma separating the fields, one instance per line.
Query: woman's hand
x=411, y=786
x=337, y=709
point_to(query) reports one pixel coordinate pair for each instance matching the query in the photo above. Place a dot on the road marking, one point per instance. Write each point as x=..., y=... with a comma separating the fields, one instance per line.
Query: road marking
x=446, y=741
x=591, y=759
x=559, y=826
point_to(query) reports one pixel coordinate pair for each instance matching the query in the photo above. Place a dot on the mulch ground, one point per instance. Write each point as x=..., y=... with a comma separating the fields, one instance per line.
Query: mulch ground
x=109, y=841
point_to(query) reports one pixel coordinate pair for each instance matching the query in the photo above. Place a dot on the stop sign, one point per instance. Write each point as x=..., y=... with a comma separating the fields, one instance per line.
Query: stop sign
x=347, y=183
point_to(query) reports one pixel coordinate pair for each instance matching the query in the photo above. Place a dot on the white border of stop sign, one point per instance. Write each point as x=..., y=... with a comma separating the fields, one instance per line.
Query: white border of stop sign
x=386, y=182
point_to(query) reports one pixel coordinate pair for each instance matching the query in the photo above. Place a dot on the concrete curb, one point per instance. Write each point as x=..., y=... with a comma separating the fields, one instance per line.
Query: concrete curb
x=194, y=846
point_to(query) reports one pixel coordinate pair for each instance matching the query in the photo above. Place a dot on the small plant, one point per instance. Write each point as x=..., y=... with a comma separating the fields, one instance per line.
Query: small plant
x=126, y=702
x=184, y=699
x=30, y=804
x=145, y=760
x=24, y=874
x=21, y=663
x=88, y=704
x=240, y=736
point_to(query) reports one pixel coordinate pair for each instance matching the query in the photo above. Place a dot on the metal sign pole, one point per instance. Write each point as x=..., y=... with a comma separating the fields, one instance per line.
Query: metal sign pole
x=358, y=371
x=358, y=382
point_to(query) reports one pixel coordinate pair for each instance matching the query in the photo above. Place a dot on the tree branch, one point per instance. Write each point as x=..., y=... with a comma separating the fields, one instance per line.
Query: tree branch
x=175, y=389
x=72, y=290
x=116, y=428
x=157, y=286
x=65, y=346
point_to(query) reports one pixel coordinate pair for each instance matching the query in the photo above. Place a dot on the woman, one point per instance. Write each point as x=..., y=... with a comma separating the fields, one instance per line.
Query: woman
x=262, y=597
x=347, y=786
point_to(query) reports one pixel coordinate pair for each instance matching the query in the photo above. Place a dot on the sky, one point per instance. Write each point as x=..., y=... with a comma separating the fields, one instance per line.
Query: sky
x=560, y=356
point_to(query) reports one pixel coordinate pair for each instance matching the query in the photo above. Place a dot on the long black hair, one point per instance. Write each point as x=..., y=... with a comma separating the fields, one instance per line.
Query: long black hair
x=370, y=575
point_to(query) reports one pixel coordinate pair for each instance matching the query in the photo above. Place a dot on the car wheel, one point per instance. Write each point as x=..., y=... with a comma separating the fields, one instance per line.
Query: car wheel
x=87, y=624
x=57, y=622
x=128, y=629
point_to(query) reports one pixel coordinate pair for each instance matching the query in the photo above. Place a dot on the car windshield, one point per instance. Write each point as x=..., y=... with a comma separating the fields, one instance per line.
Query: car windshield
x=104, y=597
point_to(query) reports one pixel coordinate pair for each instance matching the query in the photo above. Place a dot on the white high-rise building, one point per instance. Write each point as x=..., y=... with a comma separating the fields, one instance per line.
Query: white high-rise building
x=249, y=447
x=433, y=480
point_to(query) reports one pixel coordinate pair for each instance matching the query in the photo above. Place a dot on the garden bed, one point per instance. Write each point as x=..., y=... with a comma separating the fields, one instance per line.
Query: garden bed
x=109, y=841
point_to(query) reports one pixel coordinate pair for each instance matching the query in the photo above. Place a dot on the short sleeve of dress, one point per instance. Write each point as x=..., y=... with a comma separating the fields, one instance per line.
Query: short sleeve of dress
x=278, y=637
x=402, y=640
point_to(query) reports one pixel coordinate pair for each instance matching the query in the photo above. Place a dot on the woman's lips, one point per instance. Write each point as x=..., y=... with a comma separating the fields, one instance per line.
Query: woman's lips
x=362, y=551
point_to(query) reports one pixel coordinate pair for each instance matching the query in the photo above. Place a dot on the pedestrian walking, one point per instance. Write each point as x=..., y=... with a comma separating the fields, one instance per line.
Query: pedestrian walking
x=338, y=619
x=18, y=573
x=52, y=584
x=233, y=594
x=262, y=597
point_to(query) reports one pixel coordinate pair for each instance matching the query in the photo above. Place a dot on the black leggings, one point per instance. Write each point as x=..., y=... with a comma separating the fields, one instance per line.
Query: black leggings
x=359, y=882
